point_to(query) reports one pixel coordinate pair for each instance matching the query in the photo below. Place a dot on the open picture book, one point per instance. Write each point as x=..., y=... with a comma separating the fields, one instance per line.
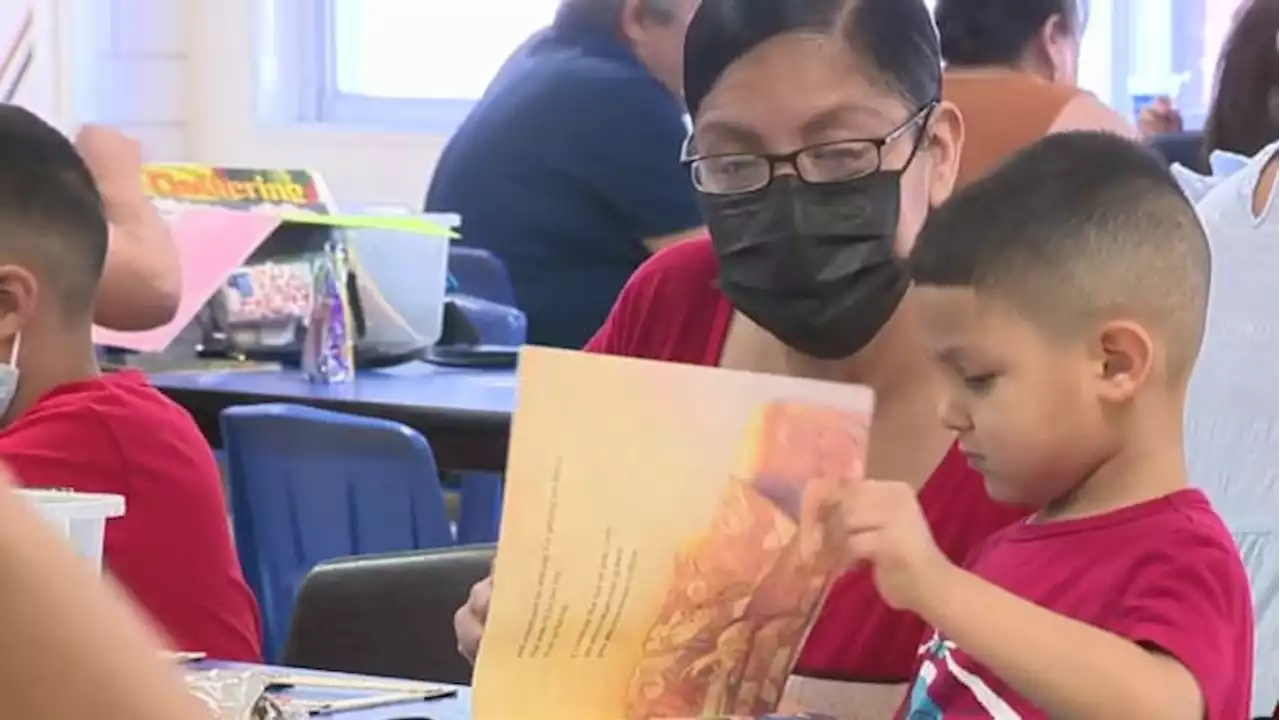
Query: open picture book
x=663, y=548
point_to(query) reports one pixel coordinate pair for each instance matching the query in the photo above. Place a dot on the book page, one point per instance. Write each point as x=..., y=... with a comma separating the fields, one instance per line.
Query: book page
x=663, y=547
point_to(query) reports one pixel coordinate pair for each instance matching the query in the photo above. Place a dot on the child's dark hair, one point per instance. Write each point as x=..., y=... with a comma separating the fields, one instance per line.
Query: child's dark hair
x=51, y=218
x=1073, y=229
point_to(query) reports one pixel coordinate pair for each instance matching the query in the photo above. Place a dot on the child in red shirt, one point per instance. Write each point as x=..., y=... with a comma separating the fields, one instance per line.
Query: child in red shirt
x=1064, y=297
x=64, y=424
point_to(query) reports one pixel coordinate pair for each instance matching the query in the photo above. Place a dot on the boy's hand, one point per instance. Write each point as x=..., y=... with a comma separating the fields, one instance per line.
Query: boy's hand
x=468, y=622
x=886, y=528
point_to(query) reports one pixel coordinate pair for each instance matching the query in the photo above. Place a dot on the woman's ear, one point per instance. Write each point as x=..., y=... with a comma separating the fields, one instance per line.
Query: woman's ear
x=945, y=141
x=1060, y=42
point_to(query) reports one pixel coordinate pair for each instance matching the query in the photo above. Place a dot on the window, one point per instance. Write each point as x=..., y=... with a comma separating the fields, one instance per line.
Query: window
x=387, y=48
x=414, y=63
x=423, y=63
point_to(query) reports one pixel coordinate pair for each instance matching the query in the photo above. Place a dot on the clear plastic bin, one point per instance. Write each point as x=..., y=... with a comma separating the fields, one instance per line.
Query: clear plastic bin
x=80, y=517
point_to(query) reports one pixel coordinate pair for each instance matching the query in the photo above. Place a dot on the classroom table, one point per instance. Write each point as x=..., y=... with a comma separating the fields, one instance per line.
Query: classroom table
x=456, y=707
x=464, y=412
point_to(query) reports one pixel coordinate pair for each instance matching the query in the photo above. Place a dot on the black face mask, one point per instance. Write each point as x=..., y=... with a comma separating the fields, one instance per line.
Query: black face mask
x=812, y=264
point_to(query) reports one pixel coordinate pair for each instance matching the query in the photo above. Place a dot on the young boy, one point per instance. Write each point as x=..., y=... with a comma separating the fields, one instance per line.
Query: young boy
x=63, y=424
x=1064, y=299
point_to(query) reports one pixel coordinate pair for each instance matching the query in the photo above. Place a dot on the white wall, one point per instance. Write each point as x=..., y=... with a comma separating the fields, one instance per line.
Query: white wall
x=179, y=75
x=42, y=87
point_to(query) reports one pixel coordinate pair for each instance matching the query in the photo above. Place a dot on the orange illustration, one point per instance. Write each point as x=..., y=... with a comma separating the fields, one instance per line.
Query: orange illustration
x=743, y=594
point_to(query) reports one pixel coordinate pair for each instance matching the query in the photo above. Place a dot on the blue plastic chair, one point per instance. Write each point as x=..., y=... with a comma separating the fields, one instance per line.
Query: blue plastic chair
x=309, y=485
x=480, y=511
x=480, y=273
x=493, y=323
x=1185, y=148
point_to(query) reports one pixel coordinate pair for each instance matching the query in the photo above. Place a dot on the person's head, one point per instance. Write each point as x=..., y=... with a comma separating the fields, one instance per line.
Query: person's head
x=1064, y=297
x=53, y=242
x=653, y=28
x=818, y=147
x=1243, y=117
x=1039, y=36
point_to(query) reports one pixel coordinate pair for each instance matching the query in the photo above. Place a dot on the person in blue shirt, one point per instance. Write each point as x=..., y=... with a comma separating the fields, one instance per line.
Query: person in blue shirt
x=568, y=168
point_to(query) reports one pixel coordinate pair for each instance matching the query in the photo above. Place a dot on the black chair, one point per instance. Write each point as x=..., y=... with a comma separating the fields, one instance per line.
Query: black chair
x=389, y=615
x=1186, y=148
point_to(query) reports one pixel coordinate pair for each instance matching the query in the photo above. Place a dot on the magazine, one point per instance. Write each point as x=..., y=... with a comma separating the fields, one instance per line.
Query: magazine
x=663, y=548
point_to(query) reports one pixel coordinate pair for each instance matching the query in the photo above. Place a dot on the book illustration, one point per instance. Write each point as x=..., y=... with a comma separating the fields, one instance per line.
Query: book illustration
x=802, y=716
x=663, y=547
x=742, y=596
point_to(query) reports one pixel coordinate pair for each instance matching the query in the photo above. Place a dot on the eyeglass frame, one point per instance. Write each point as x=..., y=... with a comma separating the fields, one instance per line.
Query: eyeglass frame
x=919, y=117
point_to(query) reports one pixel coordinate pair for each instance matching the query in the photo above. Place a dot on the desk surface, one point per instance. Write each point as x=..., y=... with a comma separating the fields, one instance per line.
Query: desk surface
x=416, y=386
x=450, y=708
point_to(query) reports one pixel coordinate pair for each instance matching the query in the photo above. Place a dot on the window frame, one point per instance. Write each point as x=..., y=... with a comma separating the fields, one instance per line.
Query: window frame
x=301, y=47
x=300, y=85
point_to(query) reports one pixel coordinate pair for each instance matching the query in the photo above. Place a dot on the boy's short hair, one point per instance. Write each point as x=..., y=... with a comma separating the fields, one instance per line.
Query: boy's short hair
x=1073, y=229
x=51, y=217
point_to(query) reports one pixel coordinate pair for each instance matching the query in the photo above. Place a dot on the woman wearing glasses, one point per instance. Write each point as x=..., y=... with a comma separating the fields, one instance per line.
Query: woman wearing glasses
x=818, y=147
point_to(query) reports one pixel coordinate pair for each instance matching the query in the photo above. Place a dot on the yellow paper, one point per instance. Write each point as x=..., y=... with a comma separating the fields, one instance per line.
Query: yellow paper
x=662, y=549
x=398, y=223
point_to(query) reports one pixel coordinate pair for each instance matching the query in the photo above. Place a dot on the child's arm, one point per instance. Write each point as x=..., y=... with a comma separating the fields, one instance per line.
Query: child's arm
x=1065, y=667
x=141, y=281
x=1179, y=602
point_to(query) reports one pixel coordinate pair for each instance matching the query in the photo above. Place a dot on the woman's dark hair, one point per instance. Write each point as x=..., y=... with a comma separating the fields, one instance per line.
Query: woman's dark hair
x=997, y=32
x=1242, y=118
x=896, y=36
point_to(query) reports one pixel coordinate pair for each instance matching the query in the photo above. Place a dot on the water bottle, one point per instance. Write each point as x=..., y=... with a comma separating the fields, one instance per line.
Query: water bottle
x=328, y=349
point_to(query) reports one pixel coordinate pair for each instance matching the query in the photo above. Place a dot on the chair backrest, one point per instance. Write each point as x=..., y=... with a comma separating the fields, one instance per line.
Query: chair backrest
x=1231, y=426
x=308, y=485
x=481, y=273
x=1186, y=149
x=390, y=615
x=473, y=320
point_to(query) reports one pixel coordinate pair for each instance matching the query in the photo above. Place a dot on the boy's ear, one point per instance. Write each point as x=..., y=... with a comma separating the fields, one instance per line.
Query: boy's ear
x=18, y=294
x=1125, y=354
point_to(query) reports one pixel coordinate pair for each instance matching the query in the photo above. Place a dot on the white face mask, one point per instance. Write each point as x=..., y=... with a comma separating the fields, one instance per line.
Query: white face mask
x=9, y=377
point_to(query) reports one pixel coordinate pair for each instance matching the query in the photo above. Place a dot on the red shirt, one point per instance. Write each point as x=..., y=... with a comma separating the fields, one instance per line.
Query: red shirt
x=1164, y=573
x=672, y=310
x=172, y=550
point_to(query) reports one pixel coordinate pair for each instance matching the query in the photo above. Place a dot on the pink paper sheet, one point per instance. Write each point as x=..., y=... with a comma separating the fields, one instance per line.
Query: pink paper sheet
x=212, y=243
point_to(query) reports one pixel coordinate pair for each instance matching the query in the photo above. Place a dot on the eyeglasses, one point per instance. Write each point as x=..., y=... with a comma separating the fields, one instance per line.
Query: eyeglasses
x=833, y=162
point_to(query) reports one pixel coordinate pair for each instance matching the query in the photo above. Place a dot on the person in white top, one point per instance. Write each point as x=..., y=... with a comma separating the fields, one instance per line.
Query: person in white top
x=1232, y=423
